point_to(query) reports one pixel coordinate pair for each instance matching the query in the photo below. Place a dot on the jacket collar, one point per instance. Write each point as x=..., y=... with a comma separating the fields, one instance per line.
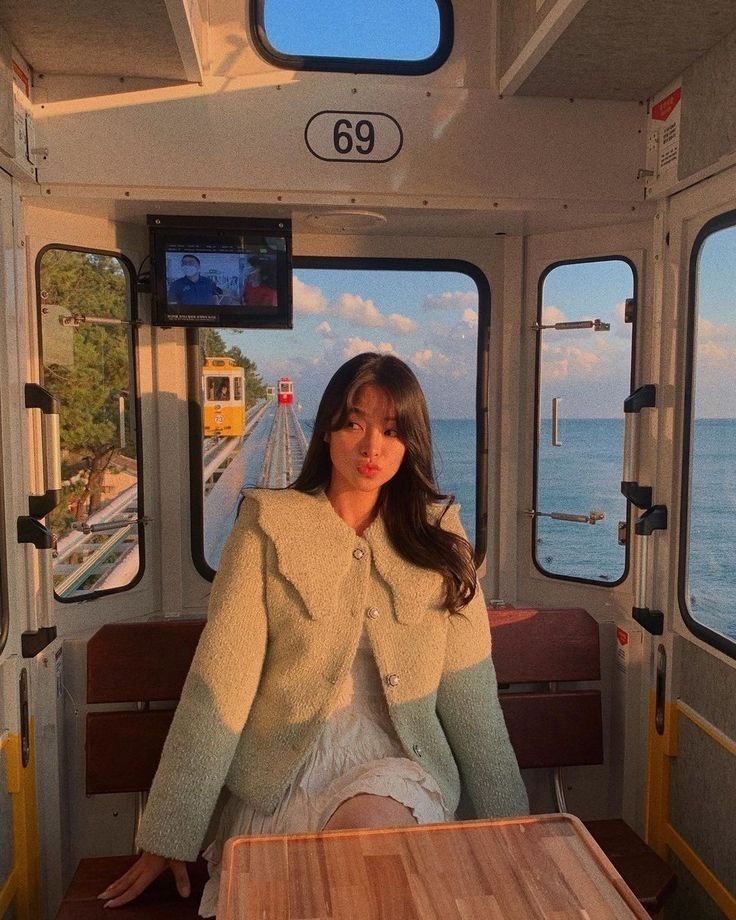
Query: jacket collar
x=314, y=546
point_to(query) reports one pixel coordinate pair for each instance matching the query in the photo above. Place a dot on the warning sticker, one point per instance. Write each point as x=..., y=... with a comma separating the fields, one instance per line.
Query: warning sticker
x=665, y=133
x=665, y=107
x=20, y=78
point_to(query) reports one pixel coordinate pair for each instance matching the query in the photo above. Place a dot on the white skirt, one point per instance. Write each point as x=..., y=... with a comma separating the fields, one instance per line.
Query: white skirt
x=357, y=752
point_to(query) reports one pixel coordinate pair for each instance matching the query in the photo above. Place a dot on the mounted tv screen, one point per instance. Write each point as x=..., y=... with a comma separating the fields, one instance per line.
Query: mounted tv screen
x=228, y=272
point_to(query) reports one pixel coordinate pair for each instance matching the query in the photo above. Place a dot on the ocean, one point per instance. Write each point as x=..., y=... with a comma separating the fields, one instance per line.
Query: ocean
x=584, y=475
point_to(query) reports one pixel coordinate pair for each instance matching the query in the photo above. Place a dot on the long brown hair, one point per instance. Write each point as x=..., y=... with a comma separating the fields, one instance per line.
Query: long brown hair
x=405, y=499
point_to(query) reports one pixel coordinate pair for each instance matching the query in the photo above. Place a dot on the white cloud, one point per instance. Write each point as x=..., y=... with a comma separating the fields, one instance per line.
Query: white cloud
x=564, y=360
x=428, y=359
x=386, y=348
x=707, y=330
x=308, y=298
x=470, y=317
x=713, y=353
x=552, y=315
x=716, y=342
x=360, y=311
x=325, y=330
x=421, y=358
x=451, y=300
x=401, y=324
x=355, y=346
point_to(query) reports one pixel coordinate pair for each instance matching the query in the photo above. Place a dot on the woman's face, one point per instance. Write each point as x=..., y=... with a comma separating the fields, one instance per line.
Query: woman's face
x=366, y=452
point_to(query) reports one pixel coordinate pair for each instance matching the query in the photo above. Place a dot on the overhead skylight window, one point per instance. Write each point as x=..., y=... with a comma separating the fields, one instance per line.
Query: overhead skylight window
x=368, y=36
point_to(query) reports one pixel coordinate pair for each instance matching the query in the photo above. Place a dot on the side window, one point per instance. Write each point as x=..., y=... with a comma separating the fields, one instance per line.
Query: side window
x=354, y=36
x=88, y=363
x=584, y=367
x=708, y=527
x=431, y=317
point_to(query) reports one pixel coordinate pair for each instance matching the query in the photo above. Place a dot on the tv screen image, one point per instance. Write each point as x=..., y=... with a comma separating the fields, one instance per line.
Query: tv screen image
x=209, y=271
x=206, y=278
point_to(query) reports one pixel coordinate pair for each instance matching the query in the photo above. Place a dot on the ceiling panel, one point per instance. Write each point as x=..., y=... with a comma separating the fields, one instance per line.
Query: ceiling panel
x=126, y=38
x=629, y=49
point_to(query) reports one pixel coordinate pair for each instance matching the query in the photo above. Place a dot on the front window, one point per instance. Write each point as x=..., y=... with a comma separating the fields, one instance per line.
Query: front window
x=218, y=389
x=88, y=363
x=585, y=341
x=432, y=319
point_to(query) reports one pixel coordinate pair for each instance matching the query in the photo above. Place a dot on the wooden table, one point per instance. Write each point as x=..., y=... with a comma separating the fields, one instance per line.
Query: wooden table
x=544, y=866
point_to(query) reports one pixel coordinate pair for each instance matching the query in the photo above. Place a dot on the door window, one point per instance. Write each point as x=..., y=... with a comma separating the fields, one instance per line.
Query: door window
x=585, y=338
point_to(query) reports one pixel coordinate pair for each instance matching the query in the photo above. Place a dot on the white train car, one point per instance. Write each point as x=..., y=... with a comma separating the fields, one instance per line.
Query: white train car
x=538, y=212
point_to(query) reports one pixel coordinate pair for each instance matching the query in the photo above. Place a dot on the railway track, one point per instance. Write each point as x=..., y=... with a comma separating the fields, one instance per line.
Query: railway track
x=89, y=555
x=218, y=453
x=285, y=450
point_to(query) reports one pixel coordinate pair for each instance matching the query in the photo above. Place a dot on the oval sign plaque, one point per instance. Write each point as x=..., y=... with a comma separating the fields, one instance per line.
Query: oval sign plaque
x=353, y=137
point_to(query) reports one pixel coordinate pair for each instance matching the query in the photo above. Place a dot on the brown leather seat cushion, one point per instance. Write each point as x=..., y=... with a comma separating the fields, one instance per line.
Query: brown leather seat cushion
x=160, y=901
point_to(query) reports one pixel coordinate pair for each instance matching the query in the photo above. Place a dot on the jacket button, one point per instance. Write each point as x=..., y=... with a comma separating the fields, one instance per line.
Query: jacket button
x=417, y=750
x=358, y=554
x=392, y=679
x=372, y=612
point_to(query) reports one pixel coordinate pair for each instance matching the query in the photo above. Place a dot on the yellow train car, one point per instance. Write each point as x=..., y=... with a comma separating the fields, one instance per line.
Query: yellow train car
x=223, y=387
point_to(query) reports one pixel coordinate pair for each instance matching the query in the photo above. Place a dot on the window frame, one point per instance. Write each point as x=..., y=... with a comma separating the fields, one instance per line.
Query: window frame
x=4, y=597
x=132, y=296
x=537, y=420
x=710, y=636
x=482, y=395
x=355, y=65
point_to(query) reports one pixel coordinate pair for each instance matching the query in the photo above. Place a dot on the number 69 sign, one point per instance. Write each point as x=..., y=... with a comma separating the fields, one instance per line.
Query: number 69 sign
x=353, y=137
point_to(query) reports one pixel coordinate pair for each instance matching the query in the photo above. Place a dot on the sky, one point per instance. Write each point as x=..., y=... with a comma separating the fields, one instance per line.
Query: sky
x=715, y=389
x=409, y=29
x=430, y=319
x=588, y=371
x=427, y=318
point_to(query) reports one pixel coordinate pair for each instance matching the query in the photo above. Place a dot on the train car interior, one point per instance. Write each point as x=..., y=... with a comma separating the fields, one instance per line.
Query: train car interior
x=531, y=202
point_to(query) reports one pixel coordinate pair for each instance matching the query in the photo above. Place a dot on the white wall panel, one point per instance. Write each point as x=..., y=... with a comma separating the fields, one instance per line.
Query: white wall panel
x=461, y=147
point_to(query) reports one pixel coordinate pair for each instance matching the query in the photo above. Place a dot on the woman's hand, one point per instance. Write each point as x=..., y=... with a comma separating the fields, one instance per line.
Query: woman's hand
x=140, y=875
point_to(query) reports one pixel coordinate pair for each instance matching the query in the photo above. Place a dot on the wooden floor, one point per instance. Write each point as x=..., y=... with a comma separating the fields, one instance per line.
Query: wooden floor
x=518, y=869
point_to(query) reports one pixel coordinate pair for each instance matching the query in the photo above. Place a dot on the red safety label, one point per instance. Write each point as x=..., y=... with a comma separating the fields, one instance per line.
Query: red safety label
x=665, y=107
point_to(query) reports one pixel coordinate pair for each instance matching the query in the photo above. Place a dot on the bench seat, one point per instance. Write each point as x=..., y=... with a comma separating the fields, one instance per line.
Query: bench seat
x=562, y=726
x=148, y=661
x=648, y=875
x=161, y=901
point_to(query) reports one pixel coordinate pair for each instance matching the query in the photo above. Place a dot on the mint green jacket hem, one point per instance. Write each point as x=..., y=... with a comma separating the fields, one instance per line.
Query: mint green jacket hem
x=286, y=612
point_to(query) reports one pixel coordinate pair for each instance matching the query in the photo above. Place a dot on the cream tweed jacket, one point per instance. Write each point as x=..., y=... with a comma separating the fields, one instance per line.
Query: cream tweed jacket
x=287, y=608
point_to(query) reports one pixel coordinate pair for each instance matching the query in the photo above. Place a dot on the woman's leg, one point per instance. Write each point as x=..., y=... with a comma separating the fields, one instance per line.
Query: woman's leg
x=367, y=810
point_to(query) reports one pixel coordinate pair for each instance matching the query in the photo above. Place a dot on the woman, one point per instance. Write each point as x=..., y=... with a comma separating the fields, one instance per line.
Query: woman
x=344, y=677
